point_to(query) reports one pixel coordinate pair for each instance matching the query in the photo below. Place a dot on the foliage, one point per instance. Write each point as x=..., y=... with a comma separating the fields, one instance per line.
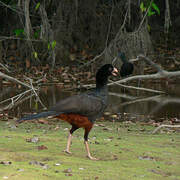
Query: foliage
x=37, y=6
x=35, y=54
x=19, y=32
x=145, y=6
x=52, y=45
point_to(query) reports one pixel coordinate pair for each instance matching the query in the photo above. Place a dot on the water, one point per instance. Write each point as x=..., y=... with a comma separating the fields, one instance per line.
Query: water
x=121, y=101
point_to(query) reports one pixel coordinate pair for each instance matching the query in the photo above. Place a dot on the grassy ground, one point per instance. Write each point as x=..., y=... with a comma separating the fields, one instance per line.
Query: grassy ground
x=126, y=152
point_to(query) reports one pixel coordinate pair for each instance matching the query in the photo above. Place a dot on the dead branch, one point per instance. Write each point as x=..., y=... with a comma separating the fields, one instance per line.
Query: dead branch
x=165, y=125
x=145, y=16
x=15, y=103
x=137, y=100
x=124, y=96
x=160, y=74
x=16, y=99
x=136, y=88
x=4, y=67
x=14, y=80
x=150, y=62
x=2, y=38
x=33, y=89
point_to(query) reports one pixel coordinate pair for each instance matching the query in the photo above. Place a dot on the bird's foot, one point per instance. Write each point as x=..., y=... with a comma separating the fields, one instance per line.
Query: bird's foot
x=92, y=158
x=67, y=151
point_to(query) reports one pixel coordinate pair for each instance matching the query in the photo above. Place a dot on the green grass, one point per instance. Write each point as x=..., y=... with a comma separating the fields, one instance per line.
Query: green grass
x=125, y=153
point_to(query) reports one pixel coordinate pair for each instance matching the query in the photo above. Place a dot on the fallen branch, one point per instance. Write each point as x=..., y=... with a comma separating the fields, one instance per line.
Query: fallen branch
x=164, y=125
x=125, y=96
x=14, y=79
x=138, y=100
x=4, y=67
x=16, y=99
x=19, y=102
x=33, y=89
x=136, y=88
x=160, y=74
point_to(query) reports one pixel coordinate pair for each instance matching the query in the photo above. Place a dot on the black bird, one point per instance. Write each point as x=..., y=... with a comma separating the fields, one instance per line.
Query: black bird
x=127, y=67
x=81, y=110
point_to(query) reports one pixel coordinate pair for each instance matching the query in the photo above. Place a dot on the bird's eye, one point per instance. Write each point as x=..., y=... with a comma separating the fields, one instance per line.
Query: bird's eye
x=110, y=69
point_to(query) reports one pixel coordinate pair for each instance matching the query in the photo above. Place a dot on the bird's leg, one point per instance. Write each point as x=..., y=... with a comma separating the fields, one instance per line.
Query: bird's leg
x=68, y=144
x=88, y=151
x=87, y=145
x=70, y=139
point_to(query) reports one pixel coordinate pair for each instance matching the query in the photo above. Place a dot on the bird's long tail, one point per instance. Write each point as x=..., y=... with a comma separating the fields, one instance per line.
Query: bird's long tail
x=39, y=115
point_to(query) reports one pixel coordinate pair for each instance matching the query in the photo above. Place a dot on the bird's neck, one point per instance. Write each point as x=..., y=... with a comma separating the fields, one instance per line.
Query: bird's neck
x=124, y=60
x=101, y=83
x=102, y=91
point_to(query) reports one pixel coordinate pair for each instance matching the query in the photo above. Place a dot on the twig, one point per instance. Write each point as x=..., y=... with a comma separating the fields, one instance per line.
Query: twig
x=148, y=61
x=2, y=38
x=13, y=79
x=4, y=67
x=164, y=125
x=94, y=59
x=124, y=96
x=160, y=74
x=151, y=98
x=9, y=106
x=38, y=98
x=133, y=87
x=19, y=95
x=144, y=16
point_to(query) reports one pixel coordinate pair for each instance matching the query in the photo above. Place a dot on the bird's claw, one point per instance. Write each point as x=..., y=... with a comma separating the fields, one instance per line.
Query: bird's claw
x=68, y=152
x=92, y=158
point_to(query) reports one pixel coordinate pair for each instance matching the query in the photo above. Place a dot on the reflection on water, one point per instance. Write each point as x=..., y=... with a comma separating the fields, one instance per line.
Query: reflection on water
x=120, y=100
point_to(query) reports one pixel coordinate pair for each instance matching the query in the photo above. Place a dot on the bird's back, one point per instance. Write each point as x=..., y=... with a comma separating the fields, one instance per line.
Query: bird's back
x=91, y=104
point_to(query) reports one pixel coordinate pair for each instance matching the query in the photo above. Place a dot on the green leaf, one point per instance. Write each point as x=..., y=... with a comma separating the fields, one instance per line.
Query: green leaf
x=53, y=44
x=36, y=34
x=155, y=7
x=149, y=27
x=150, y=12
x=35, y=55
x=142, y=7
x=19, y=32
x=37, y=6
x=49, y=46
x=36, y=105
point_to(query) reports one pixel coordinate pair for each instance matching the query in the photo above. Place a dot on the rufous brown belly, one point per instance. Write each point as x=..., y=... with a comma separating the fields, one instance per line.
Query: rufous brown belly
x=77, y=120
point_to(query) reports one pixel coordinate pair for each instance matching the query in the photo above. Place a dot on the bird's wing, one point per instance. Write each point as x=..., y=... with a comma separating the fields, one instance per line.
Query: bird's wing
x=84, y=104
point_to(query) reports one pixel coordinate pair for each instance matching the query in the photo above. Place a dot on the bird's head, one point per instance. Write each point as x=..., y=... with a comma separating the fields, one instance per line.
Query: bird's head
x=107, y=70
x=104, y=72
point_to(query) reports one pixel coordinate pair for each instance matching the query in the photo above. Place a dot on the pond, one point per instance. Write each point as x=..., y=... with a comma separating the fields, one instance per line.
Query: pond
x=132, y=104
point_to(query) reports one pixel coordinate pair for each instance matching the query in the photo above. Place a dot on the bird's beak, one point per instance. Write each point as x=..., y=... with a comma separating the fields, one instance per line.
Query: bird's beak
x=115, y=72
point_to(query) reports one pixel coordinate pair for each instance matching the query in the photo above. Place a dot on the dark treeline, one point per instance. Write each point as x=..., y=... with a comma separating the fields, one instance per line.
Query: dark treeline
x=61, y=31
